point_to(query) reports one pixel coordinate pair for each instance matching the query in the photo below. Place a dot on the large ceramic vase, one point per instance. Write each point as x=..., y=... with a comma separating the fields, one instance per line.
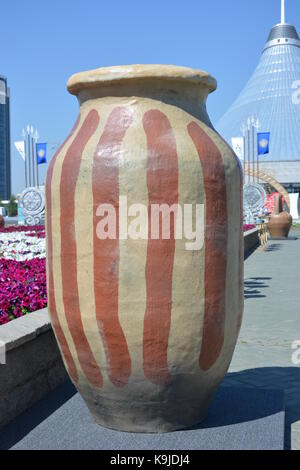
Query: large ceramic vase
x=146, y=325
x=280, y=221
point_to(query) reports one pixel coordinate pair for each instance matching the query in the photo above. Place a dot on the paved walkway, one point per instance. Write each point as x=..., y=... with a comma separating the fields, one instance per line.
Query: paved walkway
x=271, y=324
x=263, y=356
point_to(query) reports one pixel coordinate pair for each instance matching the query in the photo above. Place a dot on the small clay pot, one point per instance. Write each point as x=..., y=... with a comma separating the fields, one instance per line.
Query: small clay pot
x=280, y=222
x=2, y=222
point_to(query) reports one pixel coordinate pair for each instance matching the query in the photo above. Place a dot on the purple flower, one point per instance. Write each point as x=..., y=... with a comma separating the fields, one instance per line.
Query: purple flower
x=22, y=288
x=248, y=227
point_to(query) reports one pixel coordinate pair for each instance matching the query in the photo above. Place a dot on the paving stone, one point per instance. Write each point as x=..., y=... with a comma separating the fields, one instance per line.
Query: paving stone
x=256, y=422
x=271, y=323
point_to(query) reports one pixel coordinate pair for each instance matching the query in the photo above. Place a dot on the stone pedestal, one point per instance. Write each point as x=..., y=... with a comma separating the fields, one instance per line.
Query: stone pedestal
x=255, y=422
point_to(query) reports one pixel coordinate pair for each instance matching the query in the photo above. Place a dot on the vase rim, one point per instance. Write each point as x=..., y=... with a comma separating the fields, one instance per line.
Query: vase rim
x=116, y=74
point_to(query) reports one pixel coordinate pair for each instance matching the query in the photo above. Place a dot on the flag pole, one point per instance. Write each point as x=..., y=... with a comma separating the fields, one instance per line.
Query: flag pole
x=26, y=182
x=257, y=148
x=249, y=154
x=243, y=129
x=32, y=155
x=25, y=156
x=253, y=149
x=257, y=156
x=244, y=154
x=29, y=156
x=36, y=160
x=37, y=167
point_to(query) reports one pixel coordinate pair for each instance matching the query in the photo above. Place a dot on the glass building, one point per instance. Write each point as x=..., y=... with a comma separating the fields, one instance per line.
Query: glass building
x=273, y=96
x=5, y=179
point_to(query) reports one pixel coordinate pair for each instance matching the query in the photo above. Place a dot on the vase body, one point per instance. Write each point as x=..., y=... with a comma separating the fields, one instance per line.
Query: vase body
x=146, y=325
x=280, y=221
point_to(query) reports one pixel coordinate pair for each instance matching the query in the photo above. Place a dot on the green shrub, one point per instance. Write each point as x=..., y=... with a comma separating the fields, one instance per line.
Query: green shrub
x=12, y=207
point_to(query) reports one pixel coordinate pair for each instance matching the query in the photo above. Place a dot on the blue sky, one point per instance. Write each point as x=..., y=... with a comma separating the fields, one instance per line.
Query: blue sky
x=46, y=41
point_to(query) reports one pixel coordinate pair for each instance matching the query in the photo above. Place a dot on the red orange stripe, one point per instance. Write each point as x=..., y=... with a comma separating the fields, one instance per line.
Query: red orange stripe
x=162, y=182
x=51, y=298
x=69, y=176
x=107, y=252
x=215, y=245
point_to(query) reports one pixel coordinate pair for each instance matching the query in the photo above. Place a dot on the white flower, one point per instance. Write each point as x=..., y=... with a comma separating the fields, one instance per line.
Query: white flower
x=21, y=247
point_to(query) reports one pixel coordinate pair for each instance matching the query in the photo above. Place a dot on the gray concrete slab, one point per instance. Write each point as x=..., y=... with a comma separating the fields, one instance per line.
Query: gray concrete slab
x=238, y=418
x=263, y=357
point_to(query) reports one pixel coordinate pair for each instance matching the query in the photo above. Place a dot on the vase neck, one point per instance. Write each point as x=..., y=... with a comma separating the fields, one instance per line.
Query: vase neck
x=182, y=87
x=189, y=97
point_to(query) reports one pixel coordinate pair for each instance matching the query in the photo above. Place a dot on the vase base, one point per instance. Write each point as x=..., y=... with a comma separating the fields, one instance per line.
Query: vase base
x=156, y=426
x=145, y=417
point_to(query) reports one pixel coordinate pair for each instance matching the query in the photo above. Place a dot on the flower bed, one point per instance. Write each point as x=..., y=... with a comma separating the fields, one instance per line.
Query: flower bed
x=23, y=228
x=22, y=243
x=22, y=271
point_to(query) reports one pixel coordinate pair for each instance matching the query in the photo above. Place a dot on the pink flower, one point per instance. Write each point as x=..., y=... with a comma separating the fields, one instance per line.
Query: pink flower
x=22, y=288
x=248, y=227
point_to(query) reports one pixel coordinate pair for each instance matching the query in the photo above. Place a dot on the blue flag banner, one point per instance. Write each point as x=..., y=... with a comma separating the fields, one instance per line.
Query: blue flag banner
x=263, y=139
x=41, y=153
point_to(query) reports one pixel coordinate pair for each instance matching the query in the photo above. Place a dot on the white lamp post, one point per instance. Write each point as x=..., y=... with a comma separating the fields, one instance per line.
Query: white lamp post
x=257, y=125
x=253, y=147
x=244, y=130
x=29, y=157
x=25, y=156
x=249, y=155
x=36, y=138
x=31, y=166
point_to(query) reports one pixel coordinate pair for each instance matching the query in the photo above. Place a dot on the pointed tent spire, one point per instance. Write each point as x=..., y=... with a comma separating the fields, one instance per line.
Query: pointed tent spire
x=282, y=11
x=265, y=96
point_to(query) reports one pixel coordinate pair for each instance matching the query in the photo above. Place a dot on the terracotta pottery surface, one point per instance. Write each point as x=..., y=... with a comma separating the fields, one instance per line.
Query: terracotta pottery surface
x=280, y=221
x=146, y=327
x=2, y=222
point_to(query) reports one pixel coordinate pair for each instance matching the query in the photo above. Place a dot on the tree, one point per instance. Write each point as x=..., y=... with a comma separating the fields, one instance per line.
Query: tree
x=12, y=208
